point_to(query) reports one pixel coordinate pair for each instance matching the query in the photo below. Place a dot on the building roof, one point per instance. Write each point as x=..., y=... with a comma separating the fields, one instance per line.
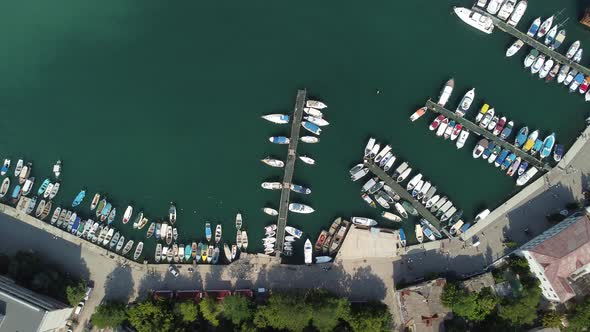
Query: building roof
x=421, y=308
x=564, y=253
x=477, y=283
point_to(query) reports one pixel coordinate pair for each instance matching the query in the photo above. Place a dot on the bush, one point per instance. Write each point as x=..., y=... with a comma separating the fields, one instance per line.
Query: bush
x=76, y=293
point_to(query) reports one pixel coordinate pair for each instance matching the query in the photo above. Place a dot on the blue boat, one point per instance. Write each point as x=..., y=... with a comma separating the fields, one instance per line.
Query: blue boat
x=537, y=147
x=522, y=168
x=16, y=192
x=311, y=127
x=547, y=146
x=106, y=210
x=465, y=227
x=488, y=151
x=428, y=233
x=523, y=134
x=300, y=189
x=79, y=198
x=279, y=140
x=402, y=237
x=508, y=161
x=501, y=158
x=507, y=131
x=534, y=27
x=208, y=231
x=75, y=225
x=577, y=81
x=43, y=187
x=558, y=153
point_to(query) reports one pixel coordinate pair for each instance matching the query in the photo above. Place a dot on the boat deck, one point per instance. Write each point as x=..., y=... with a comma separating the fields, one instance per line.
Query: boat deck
x=532, y=42
x=474, y=128
x=404, y=194
x=289, y=170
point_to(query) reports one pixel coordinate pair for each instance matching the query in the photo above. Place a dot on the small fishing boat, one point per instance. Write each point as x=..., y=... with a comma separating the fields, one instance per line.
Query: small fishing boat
x=20, y=164
x=530, y=58
x=571, y=51
x=309, y=139
x=279, y=139
x=558, y=39
x=456, y=227
x=54, y=190
x=444, y=208
x=445, y=93
x=138, y=251
x=500, y=160
x=151, y=230
x=111, y=216
x=203, y=248
x=514, y=48
x=418, y=114
x=56, y=214
x=449, y=130
x=24, y=174
x=404, y=175
x=208, y=231
x=447, y=215
x=584, y=86
x=108, y=237
x=414, y=181
x=578, y=56
x=307, y=160
x=234, y=251
x=227, y=252
x=16, y=192
x=363, y=221
x=48, y=190
x=400, y=169
x=276, y=118
x=158, y=254
x=553, y=73
x=563, y=73
x=545, y=27
x=439, y=203
x=245, y=239
x=409, y=208
x=480, y=147
x=270, y=211
x=429, y=194
x=315, y=104
x=129, y=245
x=442, y=127
x=273, y=162
x=484, y=109
x=307, y=252
x=547, y=146
x=272, y=185
x=485, y=121
x=546, y=68
x=465, y=103
x=436, y=123
x=338, y=237
x=418, y=230
x=389, y=163
x=320, y=241
x=115, y=240
x=360, y=174
x=550, y=37
x=217, y=233
x=79, y=198
x=400, y=209
x=169, y=235
x=456, y=131
x=239, y=221
x=480, y=22
x=391, y=216
x=174, y=233
x=570, y=77
x=300, y=208
x=368, y=200
x=577, y=82
x=462, y=138
x=5, y=167
x=317, y=120
x=538, y=64
x=382, y=153
x=559, y=152
x=534, y=27
x=423, y=190
x=57, y=169
x=28, y=185
x=508, y=161
x=294, y=232
x=312, y=128
x=313, y=112
x=528, y=145
x=356, y=168
x=518, y=13
x=521, y=138
x=172, y=214
x=506, y=9
x=514, y=168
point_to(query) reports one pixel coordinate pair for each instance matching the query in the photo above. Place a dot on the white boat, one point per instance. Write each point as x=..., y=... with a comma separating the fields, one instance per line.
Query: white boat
x=389, y=163
x=442, y=127
x=374, y=151
x=239, y=221
x=323, y=259
x=293, y=231
x=518, y=13
x=481, y=3
x=356, y=168
x=538, y=64
x=217, y=233
x=423, y=190
x=480, y=147
x=279, y=140
x=534, y=27
x=273, y=162
x=313, y=112
x=526, y=176
x=54, y=190
x=494, y=6
x=300, y=208
x=20, y=164
x=315, y=104
x=28, y=186
x=465, y=103
x=360, y=174
x=272, y=185
x=570, y=77
x=391, y=216
x=578, y=56
x=369, y=147
x=276, y=118
x=418, y=114
x=401, y=210
x=506, y=9
x=515, y=47
x=481, y=215
x=309, y=139
x=138, y=251
x=550, y=36
x=475, y=19
x=404, y=175
x=363, y=221
x=414, y=181
x=462, y=138
x=445, y=94
x=456, y=227
x=307, y=252
x=546, y=68
x=317, y=121
x=307, y=160
x=382, y=153
x=48, y=190
x=530, y=58
x=234, y=251
x=127, y=214
x=270, y=211
x=418, y=230
x=57, y=169
x=432, y=201
x=571, y=51
x=545, y=27
x=563, y=73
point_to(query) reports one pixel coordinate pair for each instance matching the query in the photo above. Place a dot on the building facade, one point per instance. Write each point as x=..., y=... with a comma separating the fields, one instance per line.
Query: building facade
x=560, y=258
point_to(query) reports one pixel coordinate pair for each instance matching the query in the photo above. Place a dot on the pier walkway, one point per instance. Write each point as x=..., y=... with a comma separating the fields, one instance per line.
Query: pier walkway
x=404, y=194
x=289, y=169
x=532, y=42
x=474, y=128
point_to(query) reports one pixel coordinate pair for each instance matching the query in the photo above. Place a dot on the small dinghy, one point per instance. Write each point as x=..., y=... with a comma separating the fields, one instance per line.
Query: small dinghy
x=57, y=169
x=270, y=211
x=138, y=251
x=418, y=114
x=217, y=233
x=307, y=160
x=127, y=214
x=309, y=139
x=317, y=121
x=273, y=162
x=239, y=221
x=315, y=104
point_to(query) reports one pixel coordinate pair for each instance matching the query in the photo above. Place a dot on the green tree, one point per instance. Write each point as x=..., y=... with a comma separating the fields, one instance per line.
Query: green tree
x=237, y=309
x=75, y=293
x=286, y=311
x=149, y=316
x=451, y=293
x=371, y=316
x=187, y=311
x=551, y=319
x=109, y=314
x=327, y=310
x=579, y=319
x=521, y=310
x=475, y=306
x=210, y=311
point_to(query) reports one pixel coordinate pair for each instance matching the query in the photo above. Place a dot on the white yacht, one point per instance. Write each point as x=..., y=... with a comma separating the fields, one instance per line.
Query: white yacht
x=518, y=13
x=475, y=19
x=506, y=9
x=276, y=118
x=272, y=185
x=515, y=47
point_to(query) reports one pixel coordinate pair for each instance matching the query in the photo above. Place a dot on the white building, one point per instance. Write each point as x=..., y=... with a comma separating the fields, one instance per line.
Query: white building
x=560, y=258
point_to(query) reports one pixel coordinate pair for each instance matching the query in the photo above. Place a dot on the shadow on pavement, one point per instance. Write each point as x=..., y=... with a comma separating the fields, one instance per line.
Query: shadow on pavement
x=119, y=285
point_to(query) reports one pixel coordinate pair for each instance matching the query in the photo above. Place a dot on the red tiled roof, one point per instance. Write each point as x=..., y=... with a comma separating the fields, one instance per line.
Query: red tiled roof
x=563, y=253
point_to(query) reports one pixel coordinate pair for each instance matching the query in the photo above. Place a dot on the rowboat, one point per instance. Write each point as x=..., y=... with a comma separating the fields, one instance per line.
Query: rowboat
x=111, y=216
x=391, y=216
x=315, y=104
x=54, y=190
x=307, y=160
x=338, y=237
x=245, y=240
x=20, y=165
x=273, y=162
x=5, y=167
x=317, y=120
x=158, y=254
x=172, y=214
x=138, y=250
x=309, y=139
x=129, y=245
x=127, y=214
x=151, y=230
x=419, y=113
x=137, y=221
x=217, y=233
x=320, y=241
x=276, y=118
x=115, y=240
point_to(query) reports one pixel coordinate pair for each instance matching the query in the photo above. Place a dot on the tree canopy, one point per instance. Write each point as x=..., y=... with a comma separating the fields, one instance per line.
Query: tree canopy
x=149, y=316
x=471, y=306
x=579, y=319
x=75, y=293
x=109, y=314
x=284, y=311
x=521, y=310
x=372, y=316
x=210, y=311
x=551, y=319
x=187, y=311
x=237, y=309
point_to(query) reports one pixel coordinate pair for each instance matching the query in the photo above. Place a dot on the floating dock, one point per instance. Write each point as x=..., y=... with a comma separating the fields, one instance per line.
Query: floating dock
x=474, y=128
x=404, y=194
x=532, y=42
x=289, y=169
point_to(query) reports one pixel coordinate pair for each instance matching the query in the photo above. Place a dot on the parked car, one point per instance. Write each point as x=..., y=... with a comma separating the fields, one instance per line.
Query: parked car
x=88, y=292
x=172, y=269
x=79, y=308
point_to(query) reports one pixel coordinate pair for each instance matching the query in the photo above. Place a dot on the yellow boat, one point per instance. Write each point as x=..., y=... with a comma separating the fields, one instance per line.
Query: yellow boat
x=482, y=112
x=531, y=141
x=204, y=253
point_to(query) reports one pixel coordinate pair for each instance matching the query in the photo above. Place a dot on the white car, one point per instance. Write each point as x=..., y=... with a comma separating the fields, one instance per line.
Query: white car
x=79, y=308
x=88, y=291
x=172, y=269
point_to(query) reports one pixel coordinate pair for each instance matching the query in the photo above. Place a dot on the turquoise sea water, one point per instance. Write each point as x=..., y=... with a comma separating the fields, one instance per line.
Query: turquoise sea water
x=153, y=102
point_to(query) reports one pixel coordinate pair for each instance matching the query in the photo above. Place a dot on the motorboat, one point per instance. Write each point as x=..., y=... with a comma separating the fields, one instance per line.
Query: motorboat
x=462, y=138
x=563, y=73
x=428, y=233
x=495, y=153
x=442, y=127
x=312, y=128
x=48, y=190
x=279, y=139
x=28, y=185
x=338, y=237
x=111, y=216
x=315, y=104
x=444, y=208
x=363, y=221
x=482, y=112
x=480, y=147
x=553, y=72
x=494, y=6
x=368, y=200
x=374, y=151
x=534, y=27
x=402, y=237
x=530, y=141
x=518, y=13
x=465, y=103
x=4, y=187
x=409, y=208
x=514, y=48
x=400, y=209
x=127, y=214
x=169, y=235
x=356, y=168
x=521, y=137
x=300, y=208
x=546, y=68
x=545, y=27
x=436, y=123
x=506, y=9
x=538, y=64
x=307, y=160
x=369, y=184
x=429, y=194
x=320, y=241
x=382, y=153
x=571, y=51
x=559, y=152
x=391, y=216
x=433, y=200
x=514, y=167
x=508, y=161
x=547, y=146
x=445, y=93
x=578, y=56
x=522, y=168
x=418, y=114
x=95, y=201
x=449, y=131
x=578, y=80
x=501, y=158
x=276, y=118
x=79, y=198
x=217, y=233
x=456, y=131
x=313, y=111
x=442, y=201
x=481, y=3
x=5, y=167
x=488, y=151
x=499, y=126
x=570, y=77
x=417, y=188
x=493, y=123
x=550, y=37
x=558, y=39
x=309, y=139
x=414, y=181
x=584, y=86
x=293, y=231
x=239, y=220
x=360, y=174
x=531, y=57
x=376, y=187
x=300, y=189
x=138, y=251
x=317, y=121
x=404, y=175
x=389, y=163
x=400, y=169
x=447, y=214
x=368, y=149
x=273, y=162
x=418, y=228
x=24, y=174
x=20, y=164
x=272, y=185
x=207, y=231
x=423, y=190
x=485, y=121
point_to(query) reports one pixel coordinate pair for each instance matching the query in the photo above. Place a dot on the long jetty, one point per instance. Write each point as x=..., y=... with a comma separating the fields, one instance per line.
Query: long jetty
x=532, y=42
x=289, y=169
x=488, y=135
x=403, y=193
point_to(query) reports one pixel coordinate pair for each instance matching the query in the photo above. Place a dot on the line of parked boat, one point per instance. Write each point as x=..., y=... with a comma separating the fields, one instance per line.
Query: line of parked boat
x=328, y=242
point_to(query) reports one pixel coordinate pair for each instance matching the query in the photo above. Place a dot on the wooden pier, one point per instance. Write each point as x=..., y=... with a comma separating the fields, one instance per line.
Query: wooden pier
x=404, y=194
x=289, y=169
x=532, y=42
x=474, y=128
